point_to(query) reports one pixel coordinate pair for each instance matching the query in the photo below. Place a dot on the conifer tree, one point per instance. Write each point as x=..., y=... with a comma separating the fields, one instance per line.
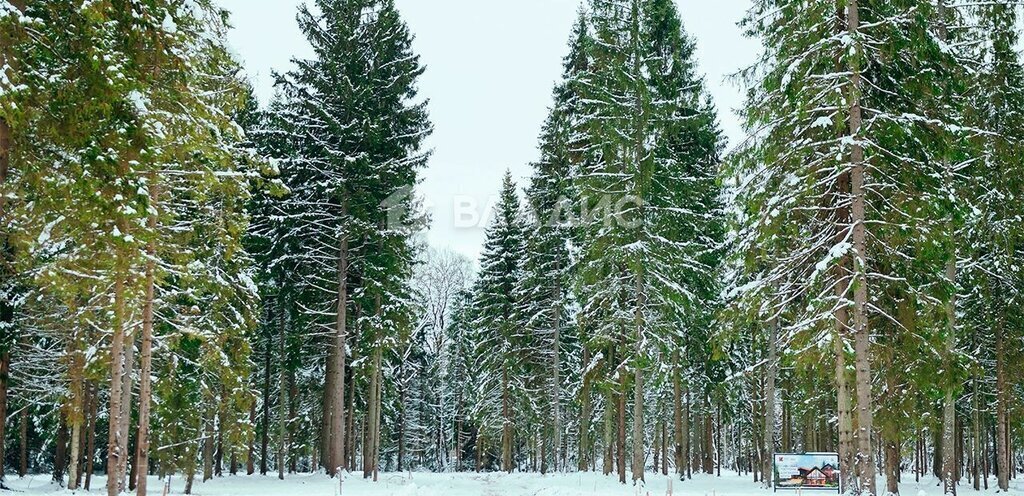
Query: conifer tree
x=649, y=237
x=500, y=352
x=349, y=154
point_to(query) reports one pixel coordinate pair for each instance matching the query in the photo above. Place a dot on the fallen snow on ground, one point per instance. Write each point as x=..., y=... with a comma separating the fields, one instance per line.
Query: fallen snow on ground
x=472, y=484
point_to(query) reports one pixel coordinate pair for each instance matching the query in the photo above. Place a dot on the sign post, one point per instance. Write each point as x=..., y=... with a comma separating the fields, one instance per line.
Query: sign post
x=806, y=471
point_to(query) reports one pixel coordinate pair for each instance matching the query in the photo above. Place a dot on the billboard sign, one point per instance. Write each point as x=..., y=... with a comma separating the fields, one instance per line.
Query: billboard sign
x=806, y=471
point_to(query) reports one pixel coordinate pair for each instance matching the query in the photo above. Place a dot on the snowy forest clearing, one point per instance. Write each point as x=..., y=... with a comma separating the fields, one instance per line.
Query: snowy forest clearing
x=192, y=283
x=471, y=483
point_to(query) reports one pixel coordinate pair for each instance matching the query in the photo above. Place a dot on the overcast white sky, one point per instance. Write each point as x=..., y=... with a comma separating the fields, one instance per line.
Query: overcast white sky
x=491, y=65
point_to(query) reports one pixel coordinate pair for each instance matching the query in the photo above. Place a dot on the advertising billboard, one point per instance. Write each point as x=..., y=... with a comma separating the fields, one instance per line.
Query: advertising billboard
x=806, y=471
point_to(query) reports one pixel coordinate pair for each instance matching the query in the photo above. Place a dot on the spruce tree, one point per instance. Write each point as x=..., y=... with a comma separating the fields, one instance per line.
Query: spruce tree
x=500, y=351
x=650, y=231
x=349, y=155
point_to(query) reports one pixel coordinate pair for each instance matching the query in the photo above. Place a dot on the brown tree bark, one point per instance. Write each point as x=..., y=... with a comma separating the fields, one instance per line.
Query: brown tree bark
x=5, y=367
x=862, y=337
x=115, y=452
x=208, y=442
x=506, y=416
x=769, y=402
x=6, y=256
x=620, y=443
x=90, y=442
x=250, y=461
x=585, y=415
x=638, y=380
x=677, y=413
x=610, y=405
x=146, y=349
x=638, y=424
x=402, y=417
x=75, y=415
x=218, y=450
x=282, y=407
x=976, y=452
x=328, y=405
x=265, y=417
x=556, y=370
x=841, y=316
x=949, y=420
x=1002, y=419
x=664, y=448
x=686, y=433
x=350, y=419
x=337, y=440
x=372, y=408
x=60, y=457
x=127, y=384
x=707, y=449
x=293, y=394
x=23, y=442
x=892, y=461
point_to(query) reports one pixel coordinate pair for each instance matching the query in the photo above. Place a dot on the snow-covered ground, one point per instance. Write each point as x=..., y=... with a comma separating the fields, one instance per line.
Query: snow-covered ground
x=471, y=484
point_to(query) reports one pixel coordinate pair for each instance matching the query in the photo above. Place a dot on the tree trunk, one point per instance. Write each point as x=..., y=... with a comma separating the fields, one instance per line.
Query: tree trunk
x=190, y=474
x=638, y=383
x=328, y=404
x=265, y=418
x=862, y=338
x=349, y=451
x=337, y=439
x=60, y=455
x=985, y=462
x=126, y=410
x=638, y=424
x=677, y=412
x=371, y=417
x=686, y=433
x=976, y=452
x=657, y=445
x=75, y=413
x=146, y=351
x=892, y=461
x=250, y=462
x=90, y=443
x=949, y=420
x=949, y=441
x=375, y=459
x=479, y=451
x=620, y=442
x=208, y=442
x=6, y=306
x=293, y=394
x=1002, y=398
x=23, y=442
x=609, y=414
x=664, y=448
x=506, y=417
x=769, y=403
x=117, y=359
x=6, y=319
x=282, y=407
x=585, y=414
x=556, y=379
x=402, y=400
x=218, y=450
x=707, y=449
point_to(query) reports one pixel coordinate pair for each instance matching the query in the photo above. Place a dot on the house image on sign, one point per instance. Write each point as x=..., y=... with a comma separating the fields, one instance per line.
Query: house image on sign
x=815, y=478
x=831, y=475
x=826, y=476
